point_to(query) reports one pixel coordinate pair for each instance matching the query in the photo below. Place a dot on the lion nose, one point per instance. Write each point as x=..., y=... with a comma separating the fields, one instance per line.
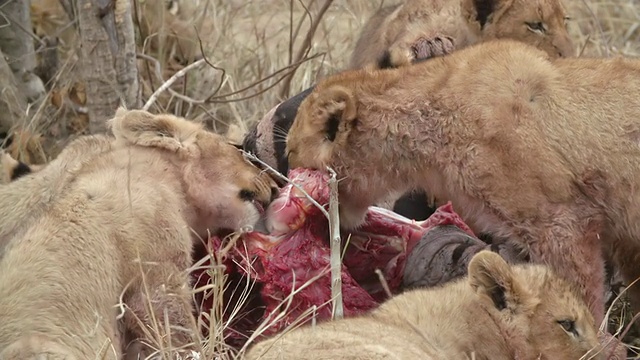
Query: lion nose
x=565, y=48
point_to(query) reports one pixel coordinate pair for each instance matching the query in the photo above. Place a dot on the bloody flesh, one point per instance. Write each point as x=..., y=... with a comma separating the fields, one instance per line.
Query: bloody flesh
x=296, y=251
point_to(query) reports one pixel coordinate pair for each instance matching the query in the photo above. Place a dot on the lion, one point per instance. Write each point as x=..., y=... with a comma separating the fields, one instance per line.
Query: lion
x=117, y=240
x=542, y=152
x=24, y=197
x=413, y=31
x=13, y=169
x=498, y=311
x=399, y=34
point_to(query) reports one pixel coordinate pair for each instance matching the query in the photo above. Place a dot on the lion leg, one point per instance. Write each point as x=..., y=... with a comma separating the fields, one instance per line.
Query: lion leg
x=36, y=348
x=170, y=299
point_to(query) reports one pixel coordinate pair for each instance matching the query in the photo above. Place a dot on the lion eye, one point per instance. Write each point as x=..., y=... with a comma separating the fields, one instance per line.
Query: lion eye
x=536, y=27
x=569, y=326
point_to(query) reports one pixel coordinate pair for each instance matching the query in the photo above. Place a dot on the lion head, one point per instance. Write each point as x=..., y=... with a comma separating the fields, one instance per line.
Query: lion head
x=541, y=314
x=332, y=129
x=541, y=23
x=225, y=191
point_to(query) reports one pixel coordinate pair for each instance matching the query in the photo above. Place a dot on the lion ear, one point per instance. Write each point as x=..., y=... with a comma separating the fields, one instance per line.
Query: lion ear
x=491, y=276
x=485, y=11
x=336, y=112
x=142, y=128
x=13, y=169
x=9, y=167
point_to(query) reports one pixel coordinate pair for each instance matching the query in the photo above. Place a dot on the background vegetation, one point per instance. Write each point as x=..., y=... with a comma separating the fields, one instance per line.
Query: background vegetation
x=257, y=54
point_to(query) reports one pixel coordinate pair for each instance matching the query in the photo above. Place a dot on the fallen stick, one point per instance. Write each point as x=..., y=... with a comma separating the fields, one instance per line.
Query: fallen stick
x=334, y=235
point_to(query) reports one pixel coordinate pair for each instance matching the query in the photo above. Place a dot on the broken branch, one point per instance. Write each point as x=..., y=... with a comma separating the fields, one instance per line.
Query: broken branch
x=169, y=82
x=334, y=233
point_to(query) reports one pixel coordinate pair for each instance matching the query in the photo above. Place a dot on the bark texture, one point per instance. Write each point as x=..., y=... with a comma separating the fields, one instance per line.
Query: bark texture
x=12, y=101
x=108, y=58
x=20, y=85
x=16, y=42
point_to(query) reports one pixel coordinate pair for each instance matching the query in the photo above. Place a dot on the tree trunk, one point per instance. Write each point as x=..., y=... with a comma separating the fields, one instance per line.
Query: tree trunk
x=12, y=102
x=16, y=42
x=108, y=58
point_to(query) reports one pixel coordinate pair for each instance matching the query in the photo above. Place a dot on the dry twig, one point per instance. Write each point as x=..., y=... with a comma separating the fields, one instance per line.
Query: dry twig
x=336, y=260
x=305, y=48
x=276, y=173
x=169, y=82
x=599, y=27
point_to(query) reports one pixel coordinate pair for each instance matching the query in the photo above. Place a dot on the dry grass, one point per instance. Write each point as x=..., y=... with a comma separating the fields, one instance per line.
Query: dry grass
x=252, y=46
x=258, y=53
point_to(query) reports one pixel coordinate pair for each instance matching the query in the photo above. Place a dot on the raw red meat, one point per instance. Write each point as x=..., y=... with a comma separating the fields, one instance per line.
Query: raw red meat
x=385, y=240
x=297, y=249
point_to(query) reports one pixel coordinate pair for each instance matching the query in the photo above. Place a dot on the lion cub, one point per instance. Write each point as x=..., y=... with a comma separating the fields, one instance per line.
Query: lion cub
x=13, y=169
x=412, y=30
x=129, y=211
x=497, y=312
x=544, y=153
x=24, y=198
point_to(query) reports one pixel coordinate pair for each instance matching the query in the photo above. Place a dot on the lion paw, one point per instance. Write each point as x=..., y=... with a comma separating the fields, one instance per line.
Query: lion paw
x=409, y=52
x=424, y=49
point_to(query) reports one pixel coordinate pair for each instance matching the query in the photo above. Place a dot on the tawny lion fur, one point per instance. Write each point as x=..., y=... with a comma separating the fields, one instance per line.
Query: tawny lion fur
x=25, y=199
x=135, y=209
x=545, y=153
x=398, y=34
x=10, y=167
x=497, y=312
